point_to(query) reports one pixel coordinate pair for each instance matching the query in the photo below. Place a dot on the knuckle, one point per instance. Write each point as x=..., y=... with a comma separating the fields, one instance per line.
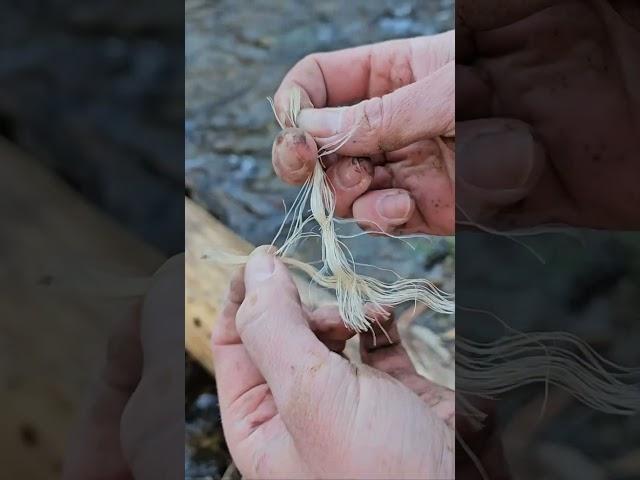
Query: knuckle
x=292, y=155
x=250, y=316
x=307, y=59
x=372, y=115
x=376, y=116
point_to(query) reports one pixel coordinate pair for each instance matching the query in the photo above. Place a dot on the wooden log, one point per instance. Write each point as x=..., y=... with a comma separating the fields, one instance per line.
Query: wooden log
x=207, y=281
x=51, y=339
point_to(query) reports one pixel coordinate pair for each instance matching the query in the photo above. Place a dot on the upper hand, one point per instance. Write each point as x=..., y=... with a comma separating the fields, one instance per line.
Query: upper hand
x=396, y=171
x=548, y=113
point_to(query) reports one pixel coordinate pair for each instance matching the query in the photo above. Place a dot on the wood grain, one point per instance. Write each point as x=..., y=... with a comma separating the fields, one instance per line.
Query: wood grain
x=53, y=330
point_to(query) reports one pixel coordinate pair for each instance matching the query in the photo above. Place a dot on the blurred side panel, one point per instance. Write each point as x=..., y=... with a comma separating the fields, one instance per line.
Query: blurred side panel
x=548, y=249
x=91, y=207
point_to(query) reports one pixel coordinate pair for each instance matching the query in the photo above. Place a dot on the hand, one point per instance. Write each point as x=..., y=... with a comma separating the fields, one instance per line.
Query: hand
x=396, y=172
x=132, y=425
x=292, y=408
x=547, y=109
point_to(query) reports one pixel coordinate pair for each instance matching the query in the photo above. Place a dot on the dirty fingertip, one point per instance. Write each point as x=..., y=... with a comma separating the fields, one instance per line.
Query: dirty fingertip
x=294, y=155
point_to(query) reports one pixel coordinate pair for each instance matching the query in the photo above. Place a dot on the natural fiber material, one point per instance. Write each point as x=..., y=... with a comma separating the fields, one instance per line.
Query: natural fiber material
x=489, y=369
x=484, y=370
x=361, y=299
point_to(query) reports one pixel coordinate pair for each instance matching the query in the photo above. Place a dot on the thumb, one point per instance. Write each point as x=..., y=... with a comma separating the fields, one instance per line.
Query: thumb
x=420, y=110
x=274, y=329
x=94, y=446
x=499, y=162
x=153, y=420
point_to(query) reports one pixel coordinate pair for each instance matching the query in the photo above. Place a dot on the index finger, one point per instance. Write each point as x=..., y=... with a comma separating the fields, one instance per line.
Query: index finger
x=348, y=76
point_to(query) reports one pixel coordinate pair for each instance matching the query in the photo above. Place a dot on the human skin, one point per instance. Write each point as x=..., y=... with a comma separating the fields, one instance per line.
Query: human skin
x=293, y=408
x=355, y=174
x=131, y=425
x=396, y=172
x=548, y=113
x=546, y=108
x=530, y=157
x=378, y=177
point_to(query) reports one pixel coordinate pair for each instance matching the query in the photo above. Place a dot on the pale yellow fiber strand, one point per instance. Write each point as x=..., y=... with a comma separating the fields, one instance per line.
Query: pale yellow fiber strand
x=361, y=299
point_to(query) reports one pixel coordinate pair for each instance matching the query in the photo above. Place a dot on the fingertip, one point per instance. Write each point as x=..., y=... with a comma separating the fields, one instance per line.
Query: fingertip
x=336, y=346
x=351, y=172
x=383, y=210
x=264, y=271
x=396, y=206
x=282, y=99
x=293, y=155
x=327, y=323
x=260, y=268
x=350, y=177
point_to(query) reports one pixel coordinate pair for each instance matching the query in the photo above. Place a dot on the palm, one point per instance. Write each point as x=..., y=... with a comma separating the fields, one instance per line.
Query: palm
x=320, y=415
x=266, y=448
x=363, y=433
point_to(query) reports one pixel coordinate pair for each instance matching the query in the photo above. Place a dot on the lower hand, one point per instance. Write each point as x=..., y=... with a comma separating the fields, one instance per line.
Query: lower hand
x=293, y=408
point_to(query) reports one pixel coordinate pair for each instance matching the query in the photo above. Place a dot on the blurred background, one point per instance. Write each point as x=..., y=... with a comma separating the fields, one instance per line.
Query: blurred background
x=93, y=90
x=92, y=198
x=583, y=282
x=236, y=56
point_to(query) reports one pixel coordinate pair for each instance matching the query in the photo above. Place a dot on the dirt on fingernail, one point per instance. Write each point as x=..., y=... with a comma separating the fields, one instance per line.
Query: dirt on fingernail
x=362, y=164
x=300, y=139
